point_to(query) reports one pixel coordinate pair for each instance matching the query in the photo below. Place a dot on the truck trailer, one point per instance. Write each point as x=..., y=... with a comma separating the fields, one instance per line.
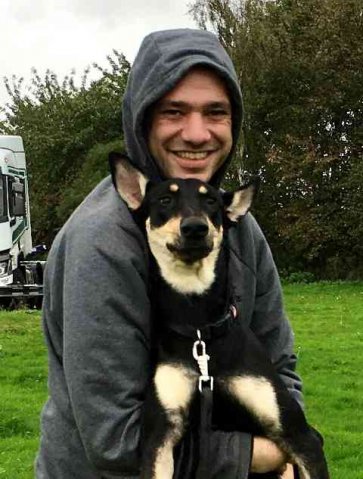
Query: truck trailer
x=21, y=277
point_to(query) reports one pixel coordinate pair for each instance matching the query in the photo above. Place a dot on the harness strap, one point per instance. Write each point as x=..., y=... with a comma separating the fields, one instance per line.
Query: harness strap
x=209, y=331
x=205, y=427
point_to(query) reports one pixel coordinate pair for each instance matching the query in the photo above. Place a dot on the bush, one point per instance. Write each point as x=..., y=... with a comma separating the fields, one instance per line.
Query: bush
x=297, y=277
x=92, y=171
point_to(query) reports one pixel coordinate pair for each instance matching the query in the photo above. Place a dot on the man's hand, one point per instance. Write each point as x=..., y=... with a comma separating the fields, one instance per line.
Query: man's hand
x=267, y=457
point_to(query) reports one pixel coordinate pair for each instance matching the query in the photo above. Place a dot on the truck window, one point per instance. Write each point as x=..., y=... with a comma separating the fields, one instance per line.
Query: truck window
x=18, y=198
x=2, y=199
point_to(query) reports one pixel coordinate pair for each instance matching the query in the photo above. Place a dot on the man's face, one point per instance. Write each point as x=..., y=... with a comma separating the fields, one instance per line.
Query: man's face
x=191, y=127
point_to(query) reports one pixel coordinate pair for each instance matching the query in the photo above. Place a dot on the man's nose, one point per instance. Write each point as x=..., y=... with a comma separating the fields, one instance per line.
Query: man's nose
x=195, y=129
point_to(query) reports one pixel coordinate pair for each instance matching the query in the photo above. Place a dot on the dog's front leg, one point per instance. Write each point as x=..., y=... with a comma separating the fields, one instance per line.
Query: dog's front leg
x=282, y=420
x=174, y=387
x=258, y=396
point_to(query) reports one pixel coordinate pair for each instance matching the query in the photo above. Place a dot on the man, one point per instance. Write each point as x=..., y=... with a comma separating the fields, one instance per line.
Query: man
x=182, y=114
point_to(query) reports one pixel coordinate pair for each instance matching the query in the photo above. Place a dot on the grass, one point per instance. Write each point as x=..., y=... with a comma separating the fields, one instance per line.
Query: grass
x=23, y=376
x=327, y=320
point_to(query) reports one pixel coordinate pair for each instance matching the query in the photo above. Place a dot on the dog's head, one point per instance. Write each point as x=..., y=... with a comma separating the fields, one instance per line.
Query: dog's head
x=184, y=220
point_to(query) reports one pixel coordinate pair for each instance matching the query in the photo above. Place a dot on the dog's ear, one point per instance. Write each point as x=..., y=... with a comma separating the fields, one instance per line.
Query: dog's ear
x=129, y=182
x=237, y=203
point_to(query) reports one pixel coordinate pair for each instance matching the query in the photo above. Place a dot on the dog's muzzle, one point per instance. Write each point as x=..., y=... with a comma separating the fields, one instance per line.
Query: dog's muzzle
x=194, y=242
x=194, y=228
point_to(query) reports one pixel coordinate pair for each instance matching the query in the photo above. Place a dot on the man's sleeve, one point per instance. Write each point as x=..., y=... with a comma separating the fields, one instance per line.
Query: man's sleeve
x=106, y=344
x=269, y=321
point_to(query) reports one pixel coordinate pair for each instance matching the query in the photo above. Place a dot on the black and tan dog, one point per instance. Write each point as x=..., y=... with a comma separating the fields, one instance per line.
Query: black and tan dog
x=185, y=223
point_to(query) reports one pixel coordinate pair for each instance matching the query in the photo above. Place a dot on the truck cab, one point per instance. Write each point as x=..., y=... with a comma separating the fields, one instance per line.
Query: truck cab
x=15, y=228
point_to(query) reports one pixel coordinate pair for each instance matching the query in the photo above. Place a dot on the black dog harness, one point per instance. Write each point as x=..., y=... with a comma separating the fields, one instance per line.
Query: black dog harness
x=210, y=330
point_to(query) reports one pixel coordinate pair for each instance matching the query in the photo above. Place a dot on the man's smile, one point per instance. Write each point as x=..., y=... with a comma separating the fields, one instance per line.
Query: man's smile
x=192, y=160
x=192, y=155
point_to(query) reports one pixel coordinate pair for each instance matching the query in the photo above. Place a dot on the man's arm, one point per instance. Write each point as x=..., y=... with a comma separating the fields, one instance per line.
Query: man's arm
x=270, y=324
x=269, y=321
x=105, y=353
x=106, y=358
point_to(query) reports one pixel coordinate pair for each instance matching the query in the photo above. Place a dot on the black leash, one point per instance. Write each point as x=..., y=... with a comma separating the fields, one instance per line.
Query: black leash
x=206, y=382
x=205, y=428
x=205, y=385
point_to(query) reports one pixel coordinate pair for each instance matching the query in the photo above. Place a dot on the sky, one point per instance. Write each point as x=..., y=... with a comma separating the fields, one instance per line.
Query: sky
x=62, y=35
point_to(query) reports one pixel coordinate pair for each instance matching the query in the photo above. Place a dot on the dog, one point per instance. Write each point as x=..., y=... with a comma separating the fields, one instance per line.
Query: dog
x=186, y=224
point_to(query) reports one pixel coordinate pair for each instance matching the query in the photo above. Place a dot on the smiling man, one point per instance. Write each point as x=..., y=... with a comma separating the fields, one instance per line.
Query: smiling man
x=182, y=115
x=191, y=127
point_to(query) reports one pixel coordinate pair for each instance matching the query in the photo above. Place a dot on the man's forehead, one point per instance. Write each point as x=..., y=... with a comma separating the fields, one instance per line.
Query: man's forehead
x=202, y=81
x=212, y=103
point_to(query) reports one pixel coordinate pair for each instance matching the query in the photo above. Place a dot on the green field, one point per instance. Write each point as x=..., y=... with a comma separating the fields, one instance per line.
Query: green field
x=327, y=319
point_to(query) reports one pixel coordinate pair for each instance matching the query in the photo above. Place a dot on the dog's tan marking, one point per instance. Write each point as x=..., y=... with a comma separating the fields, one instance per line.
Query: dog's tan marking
x=164, y=462
x=171, y=228
x=174, y=187
x=203, y=190
x=174, y=386
x=184, y=278
x=258, y=396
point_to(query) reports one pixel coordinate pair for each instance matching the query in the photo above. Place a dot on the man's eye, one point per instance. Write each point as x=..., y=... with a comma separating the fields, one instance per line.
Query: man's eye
x=165, y=200
x=218, y=112
x=171, y=112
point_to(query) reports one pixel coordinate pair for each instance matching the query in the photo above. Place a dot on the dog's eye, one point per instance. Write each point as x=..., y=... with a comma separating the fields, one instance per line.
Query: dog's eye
x=211, y=201
x=165, y=200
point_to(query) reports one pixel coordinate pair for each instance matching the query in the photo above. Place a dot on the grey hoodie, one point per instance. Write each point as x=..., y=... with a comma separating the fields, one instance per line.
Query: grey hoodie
x=96, y=314
x=163, y=59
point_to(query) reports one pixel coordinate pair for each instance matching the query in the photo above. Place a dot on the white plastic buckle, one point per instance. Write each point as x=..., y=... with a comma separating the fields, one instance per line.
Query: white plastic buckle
x=204, y=380
x=202, y=360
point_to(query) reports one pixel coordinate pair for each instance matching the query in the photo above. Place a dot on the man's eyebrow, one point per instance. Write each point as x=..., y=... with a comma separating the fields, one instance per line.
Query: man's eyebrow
x=172, y=103
x=219, y=104
x=183, y=104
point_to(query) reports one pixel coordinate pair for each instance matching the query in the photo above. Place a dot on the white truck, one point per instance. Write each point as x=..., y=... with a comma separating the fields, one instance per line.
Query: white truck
x=19, y=276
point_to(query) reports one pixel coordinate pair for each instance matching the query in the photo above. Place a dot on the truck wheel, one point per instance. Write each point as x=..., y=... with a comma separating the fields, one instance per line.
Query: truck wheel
x=5, y=303
x=19, y=278
x=35, y=303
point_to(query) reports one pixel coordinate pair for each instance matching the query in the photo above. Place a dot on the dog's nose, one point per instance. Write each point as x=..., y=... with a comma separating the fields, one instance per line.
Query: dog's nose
x=194, y=227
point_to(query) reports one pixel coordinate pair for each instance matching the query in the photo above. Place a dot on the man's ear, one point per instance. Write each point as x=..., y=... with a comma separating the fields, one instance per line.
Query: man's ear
x=129, y=182
x=237, y=203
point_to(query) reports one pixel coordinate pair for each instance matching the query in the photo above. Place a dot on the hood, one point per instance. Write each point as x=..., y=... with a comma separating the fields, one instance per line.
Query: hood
x=163, y=59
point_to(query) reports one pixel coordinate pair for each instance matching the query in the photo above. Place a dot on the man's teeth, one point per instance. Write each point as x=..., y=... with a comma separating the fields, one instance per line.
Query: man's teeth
x=189, y=155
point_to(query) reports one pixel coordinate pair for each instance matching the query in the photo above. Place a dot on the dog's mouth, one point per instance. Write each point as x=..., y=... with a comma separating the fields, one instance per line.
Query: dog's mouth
x=191, y=250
